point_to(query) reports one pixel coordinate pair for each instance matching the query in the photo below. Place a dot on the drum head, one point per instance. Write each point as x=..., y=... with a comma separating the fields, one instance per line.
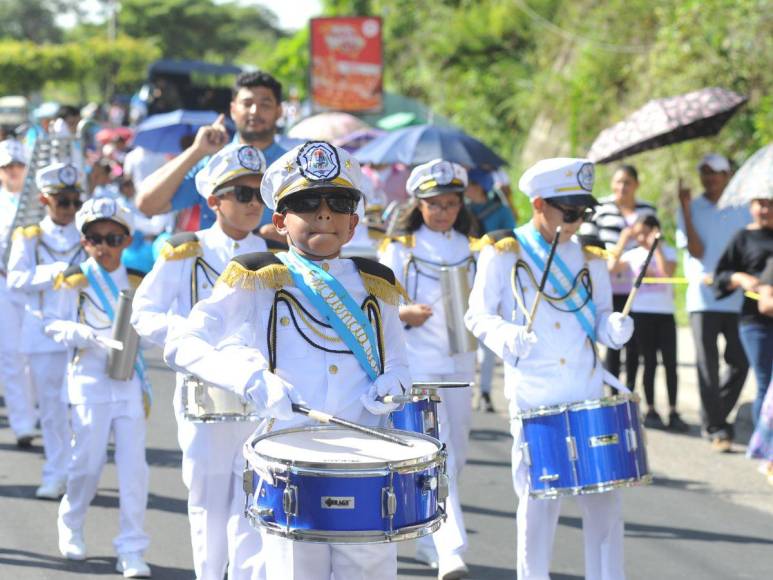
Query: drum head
x=335, y=447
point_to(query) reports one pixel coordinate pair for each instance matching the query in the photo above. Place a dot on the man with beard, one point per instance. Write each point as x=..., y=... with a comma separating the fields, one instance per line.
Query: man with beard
x=256, y=106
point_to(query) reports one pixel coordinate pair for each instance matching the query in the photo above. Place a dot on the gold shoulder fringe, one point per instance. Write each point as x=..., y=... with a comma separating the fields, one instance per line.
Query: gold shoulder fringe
x=477, y=244
x=274, y=276
x=409, y=241
x=187, y=250
x=383, y=290
x=504, y=245
x=72, y=281
x=592, y=252
x=29, y=232
x=134, y=281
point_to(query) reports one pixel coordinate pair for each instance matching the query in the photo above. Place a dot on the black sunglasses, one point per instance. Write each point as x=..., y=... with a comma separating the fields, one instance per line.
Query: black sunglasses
x=572, y=214
x=64, y=203
x=242, y=193
x=112, y=240
x=337, y=202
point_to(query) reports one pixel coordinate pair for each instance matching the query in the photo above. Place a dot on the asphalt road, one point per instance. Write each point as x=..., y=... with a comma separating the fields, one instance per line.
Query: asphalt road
x=694, y=522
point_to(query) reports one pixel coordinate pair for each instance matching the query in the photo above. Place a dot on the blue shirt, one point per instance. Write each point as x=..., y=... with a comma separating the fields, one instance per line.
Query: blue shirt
x=496, y=216
x=187, y=195
x=715, y=227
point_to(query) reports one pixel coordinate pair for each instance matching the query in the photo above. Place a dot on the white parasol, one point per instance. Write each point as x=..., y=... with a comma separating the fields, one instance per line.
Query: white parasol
x=754, y=180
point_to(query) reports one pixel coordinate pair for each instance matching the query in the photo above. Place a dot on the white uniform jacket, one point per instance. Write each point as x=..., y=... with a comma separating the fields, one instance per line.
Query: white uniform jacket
x=186, y=271
x=416, y=261
x=75, y=302
x=38, y=254
x=563, y=366
x=257, y=290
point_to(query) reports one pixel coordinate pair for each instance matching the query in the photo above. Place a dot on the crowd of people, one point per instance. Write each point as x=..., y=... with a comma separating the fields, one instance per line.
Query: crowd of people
x=237, y=301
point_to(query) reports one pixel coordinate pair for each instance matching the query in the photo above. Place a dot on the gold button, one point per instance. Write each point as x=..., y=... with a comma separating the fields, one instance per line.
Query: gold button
x=325, y=266
x=333, y=369
x=558, y=325
x=205, y=285
x=284, y=321
x=562, y=361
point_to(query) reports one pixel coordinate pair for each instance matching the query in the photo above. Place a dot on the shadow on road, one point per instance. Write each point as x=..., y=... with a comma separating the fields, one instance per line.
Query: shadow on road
x=490, y=435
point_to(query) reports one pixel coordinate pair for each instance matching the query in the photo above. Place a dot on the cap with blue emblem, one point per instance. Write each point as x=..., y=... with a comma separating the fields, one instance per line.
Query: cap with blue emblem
x=232, y=161
x=313, y=166
x=435, y=178
x=104, y=209
x=564, y=180
x=58, y=177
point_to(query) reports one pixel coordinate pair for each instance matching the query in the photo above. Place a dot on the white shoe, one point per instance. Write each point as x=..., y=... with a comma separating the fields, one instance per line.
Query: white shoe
x=452, y=567
x=51, y=490
x=71, y=544
x=132, y=565
x=427, y=555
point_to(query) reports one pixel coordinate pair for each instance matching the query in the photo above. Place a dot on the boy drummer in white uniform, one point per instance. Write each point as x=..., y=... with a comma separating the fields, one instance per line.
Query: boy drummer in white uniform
x=313, y=190
x=556, y=362
x=38, y=254
x=81, y=316
x=438, y=227
x=185, y=273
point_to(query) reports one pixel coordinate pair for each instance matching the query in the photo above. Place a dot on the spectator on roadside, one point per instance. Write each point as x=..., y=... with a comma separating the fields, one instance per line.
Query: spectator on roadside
x=66, y=122
x=740, y=266
x=101, y=179
x=705, y=230
x=615, y=213
x=653, y=315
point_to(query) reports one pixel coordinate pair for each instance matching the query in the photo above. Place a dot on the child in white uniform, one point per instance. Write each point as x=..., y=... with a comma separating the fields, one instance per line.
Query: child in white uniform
x=80, y=315
x=39, y=253
x=313, y=190
x=185, y=273
x=556, y=361
x=438, y=226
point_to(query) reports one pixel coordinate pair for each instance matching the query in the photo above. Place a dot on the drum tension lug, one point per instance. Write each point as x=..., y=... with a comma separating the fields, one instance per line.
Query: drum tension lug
x=389, y=502
x=290, y=500
x=247, y=480
x=442, y=487
x=526, y=453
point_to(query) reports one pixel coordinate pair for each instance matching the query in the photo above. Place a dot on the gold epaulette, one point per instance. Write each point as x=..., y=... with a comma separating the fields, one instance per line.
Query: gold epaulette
x=32, y=231
x=594, y=252
x=187, y=250
x=272, y=276
x=502, y=245
x=134, y=280
x=389, y=292
x=476, y=244
x=409, y=241
x=70, y=280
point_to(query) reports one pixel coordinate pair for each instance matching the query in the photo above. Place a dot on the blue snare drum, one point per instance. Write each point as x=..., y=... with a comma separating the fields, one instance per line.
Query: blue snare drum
x=334, y=485
x=419, y=414
x=586, y=447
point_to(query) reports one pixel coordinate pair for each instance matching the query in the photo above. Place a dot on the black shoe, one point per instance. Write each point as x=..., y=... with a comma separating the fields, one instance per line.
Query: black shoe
x=652, y=420
x=485, y=403
x=24, y=441
x=676, y=424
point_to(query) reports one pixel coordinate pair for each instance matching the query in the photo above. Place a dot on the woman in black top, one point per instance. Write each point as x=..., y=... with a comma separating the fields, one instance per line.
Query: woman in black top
x=740, y=267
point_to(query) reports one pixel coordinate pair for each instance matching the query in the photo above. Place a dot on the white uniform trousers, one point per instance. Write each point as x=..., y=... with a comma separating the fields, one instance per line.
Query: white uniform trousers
x=48, y=371
x=19, y=398
x=602, y=524
x=288, y=560
x=216, y=498
x=92, y=425
x=455, y=418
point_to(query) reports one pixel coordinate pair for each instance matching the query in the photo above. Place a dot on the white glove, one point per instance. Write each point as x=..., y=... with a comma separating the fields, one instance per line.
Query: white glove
x=619, y=328
x=519, y=344
x=273, y=396
x=386, y=384
x=73, y=334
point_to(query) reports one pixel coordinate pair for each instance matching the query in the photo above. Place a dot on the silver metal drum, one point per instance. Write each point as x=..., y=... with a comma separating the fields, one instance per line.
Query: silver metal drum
x=455, y=284
x=120, y=363
x=204, y=403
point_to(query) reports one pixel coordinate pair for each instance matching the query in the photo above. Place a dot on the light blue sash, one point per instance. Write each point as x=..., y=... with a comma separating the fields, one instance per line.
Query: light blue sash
x=338, y=308
x=88, y=268
x=560, y=277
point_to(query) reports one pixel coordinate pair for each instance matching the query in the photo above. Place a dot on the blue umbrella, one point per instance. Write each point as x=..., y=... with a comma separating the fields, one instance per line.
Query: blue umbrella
x=423, y=143
x=162, y=133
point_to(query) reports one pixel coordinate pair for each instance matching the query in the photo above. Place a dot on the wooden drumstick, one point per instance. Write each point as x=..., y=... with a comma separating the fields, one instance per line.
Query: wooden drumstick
x=640, y=277
x=326, y=418
x=544, y=280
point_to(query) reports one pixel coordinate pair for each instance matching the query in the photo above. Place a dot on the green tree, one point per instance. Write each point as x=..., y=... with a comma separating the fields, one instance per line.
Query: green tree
x=31, y=20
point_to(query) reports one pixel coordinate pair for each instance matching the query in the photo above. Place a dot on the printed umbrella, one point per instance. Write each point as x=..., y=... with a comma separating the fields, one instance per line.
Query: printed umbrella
x=423, y=143
x=326, y=126
x=358, y=139
x=754, y=180
x=108, y=134
x=162, y=133
x=667, y=121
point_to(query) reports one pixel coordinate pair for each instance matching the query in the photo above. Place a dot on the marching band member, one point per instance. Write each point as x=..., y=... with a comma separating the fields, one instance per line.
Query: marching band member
x=438, y=226
x=80, y=317
x=38, y=254
x=187, y=269
x=557, y=362
x=13, y=366
x=292, y=355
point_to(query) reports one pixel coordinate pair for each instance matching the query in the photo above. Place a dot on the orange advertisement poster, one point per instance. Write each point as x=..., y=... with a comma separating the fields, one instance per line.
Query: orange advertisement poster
x=346, y=64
